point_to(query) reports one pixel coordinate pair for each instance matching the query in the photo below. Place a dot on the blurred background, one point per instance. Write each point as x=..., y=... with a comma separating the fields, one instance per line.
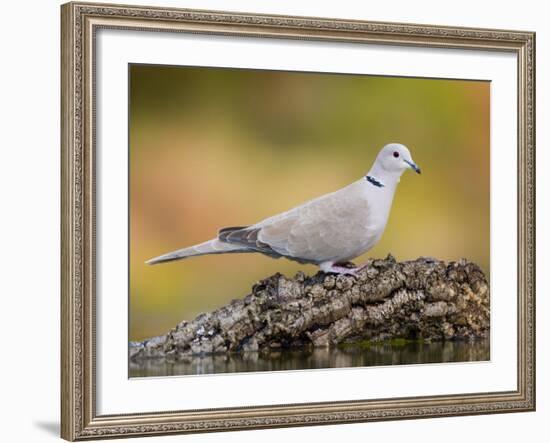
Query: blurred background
x=215, y=147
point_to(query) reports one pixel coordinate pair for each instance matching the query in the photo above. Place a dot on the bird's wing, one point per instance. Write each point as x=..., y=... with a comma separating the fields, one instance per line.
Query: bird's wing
x=247, y=237
x=327, y=228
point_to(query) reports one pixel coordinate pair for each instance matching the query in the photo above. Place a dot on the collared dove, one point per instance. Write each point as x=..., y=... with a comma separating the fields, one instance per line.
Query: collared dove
x=326, y=231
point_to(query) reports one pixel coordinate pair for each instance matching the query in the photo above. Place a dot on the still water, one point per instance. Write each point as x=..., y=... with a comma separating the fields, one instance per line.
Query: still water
x=342, y=357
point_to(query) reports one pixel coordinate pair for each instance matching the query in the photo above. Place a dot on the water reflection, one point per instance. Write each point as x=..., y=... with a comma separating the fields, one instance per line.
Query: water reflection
x=345, y=357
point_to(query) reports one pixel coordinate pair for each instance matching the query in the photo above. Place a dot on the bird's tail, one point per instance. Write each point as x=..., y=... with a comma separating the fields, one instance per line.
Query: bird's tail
x=214, y=246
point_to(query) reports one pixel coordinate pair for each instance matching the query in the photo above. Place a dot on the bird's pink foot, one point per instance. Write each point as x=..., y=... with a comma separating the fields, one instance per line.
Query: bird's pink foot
x=361, y=267
x=337, y=268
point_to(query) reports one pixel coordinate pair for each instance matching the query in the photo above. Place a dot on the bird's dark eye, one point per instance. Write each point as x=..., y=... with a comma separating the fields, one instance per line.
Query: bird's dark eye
x=395, y=154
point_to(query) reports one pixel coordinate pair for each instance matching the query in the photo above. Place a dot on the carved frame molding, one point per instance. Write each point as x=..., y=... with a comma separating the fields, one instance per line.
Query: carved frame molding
x=79, y=24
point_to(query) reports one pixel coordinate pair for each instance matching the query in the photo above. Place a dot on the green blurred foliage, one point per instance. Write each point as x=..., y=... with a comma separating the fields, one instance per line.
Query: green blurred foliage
x=212, y=147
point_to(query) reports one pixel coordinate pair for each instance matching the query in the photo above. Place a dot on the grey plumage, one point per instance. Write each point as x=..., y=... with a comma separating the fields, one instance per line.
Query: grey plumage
x=325, y=231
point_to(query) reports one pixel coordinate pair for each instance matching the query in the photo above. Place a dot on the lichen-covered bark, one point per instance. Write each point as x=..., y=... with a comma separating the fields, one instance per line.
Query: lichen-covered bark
x=424, y=298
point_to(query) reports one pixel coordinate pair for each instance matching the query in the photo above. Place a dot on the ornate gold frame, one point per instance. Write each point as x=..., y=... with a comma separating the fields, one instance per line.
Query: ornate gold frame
x=79, y=420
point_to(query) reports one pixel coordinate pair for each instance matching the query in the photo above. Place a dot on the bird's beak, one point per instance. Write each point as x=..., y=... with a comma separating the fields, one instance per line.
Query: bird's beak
x=413, y=167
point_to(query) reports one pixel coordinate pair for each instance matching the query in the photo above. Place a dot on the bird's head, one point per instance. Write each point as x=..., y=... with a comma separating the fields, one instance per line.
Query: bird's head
x=395, y=158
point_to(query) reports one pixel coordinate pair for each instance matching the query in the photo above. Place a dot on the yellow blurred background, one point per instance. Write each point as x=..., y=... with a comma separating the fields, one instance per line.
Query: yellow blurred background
x=213, y=147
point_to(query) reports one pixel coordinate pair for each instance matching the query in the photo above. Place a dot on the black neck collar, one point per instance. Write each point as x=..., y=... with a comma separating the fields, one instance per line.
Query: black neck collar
x=374, y=182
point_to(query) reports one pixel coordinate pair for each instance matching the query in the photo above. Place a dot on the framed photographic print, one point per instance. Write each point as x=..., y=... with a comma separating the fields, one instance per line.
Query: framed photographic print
x=283, y=221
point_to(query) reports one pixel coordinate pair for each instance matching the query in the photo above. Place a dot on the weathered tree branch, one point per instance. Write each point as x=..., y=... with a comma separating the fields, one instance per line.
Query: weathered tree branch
x=424, y=299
